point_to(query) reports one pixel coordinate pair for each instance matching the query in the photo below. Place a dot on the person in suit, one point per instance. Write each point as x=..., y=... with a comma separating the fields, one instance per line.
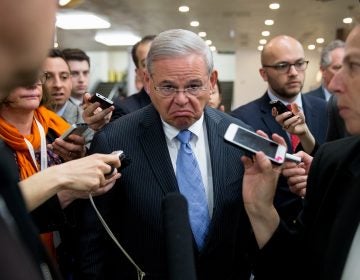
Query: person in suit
x=58, y=86
x=330, y=62
x=283, y=68
x=140, y=99
x=336, y=128
x=79, y=64
x=324, y=242
x=179, y=80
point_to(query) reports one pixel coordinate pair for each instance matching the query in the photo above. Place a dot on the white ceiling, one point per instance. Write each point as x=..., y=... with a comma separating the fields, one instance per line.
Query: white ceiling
x=305, y=20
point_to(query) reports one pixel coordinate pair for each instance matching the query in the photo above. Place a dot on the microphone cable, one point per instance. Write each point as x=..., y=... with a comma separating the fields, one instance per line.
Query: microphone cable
x=141, y=274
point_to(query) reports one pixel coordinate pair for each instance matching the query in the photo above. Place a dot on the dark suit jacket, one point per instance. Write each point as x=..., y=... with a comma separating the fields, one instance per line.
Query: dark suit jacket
x=318, y=246
x=258, y=115
x=133, y=207
x=22, y=253
x=130, y=104
x=336, y=128
x=318, y=92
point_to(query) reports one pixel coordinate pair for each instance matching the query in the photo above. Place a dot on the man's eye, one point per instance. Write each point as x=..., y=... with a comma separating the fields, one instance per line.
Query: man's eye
x=168, y=89
x=65, y=76
x=282, y=66
x=192, y=88
x=299, y=64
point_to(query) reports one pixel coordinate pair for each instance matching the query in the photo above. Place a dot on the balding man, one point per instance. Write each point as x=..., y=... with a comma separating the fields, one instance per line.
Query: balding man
x=283, y=68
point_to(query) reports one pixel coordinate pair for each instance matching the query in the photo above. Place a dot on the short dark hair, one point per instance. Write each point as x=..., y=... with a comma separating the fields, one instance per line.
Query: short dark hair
x=55, y=52
x=76, y=54
x=146, y=39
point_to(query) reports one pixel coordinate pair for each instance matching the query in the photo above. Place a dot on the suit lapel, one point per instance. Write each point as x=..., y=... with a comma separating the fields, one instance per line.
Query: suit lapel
x=154, y=145
x=270, y=121
x=311, y=117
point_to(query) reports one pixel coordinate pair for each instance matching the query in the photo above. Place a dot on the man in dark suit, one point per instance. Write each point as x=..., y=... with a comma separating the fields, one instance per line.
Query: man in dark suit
x=330, y=62
x=179, y=80
x=336, y=128
x=324, y=243
x=283, y=68
x=141, y=98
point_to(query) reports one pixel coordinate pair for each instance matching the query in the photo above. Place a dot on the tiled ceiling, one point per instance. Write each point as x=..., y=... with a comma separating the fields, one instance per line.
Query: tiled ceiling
x=228, y=23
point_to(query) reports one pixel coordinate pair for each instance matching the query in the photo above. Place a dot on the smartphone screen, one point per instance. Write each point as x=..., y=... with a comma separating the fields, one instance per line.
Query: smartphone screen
x=252, y=142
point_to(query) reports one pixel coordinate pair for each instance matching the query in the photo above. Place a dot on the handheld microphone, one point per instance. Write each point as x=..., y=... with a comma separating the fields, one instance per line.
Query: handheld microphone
x=179, y=242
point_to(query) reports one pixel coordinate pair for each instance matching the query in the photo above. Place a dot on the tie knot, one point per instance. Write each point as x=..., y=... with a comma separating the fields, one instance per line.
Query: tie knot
x=184, y=136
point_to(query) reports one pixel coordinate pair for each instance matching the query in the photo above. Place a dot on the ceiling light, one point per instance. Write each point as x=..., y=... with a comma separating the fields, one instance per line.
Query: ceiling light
x=311, y=47
x=347, y=20
x=262, y=41
x=202, y=34
x=232, y=33
x=69, y=3
x=64, y=2
x=269, y=22
x=208, y=42
x=184, y=9
x=260, y=48
x=320, y=40
x=80, y=20
x=265, y=33
x=194, y=23
x=213, y=48
x=274, y=6
x=116, y=38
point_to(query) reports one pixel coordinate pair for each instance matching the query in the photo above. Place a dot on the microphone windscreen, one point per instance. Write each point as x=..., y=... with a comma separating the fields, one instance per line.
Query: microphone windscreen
x=178, y=235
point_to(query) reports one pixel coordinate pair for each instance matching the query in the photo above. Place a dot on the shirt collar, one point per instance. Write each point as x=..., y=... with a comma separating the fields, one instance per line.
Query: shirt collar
x=297, y=100
x=171, y=132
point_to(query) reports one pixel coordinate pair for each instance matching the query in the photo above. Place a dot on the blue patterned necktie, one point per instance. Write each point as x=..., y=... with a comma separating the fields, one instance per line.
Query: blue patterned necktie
x=191, y=186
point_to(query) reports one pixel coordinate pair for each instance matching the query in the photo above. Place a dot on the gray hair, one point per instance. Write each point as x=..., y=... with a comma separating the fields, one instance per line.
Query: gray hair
x=178, y=43
x=325, y=59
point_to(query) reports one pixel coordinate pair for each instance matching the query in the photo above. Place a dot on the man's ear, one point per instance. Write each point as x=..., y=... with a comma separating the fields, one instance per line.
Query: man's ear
x=213, y=79
x=146, y=80
x=263, y=74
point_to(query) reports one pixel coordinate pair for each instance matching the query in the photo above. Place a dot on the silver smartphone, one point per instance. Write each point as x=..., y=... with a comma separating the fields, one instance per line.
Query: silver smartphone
x=76, y=128
x=252, y=142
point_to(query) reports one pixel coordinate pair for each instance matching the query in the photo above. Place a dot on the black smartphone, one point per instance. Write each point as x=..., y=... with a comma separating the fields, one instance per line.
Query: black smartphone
x=76, y=128
x=125, y=161
x=252, y=142
x=104, y=102
x=280, y=107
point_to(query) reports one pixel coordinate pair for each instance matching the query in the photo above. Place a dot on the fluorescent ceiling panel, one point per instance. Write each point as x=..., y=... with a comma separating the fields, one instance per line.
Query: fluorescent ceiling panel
x=80, y=20
x=116, y=38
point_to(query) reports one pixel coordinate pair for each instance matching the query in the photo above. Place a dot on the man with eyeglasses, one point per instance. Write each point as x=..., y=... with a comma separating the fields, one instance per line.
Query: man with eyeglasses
x=179, y=80
x=283, y=68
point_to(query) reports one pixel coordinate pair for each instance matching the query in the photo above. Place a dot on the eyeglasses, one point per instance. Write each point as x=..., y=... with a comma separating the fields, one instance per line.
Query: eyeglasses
x=284, y=67
x=167, y=91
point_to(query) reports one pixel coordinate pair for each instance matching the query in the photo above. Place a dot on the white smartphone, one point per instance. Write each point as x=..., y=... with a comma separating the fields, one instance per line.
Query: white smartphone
x=76, y=128
x=252, y=142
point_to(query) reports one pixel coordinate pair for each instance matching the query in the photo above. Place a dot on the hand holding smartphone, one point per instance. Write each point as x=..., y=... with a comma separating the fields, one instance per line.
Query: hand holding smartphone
x=280, y=107
x=104, y=102
x=252, y=142
x=77, y=128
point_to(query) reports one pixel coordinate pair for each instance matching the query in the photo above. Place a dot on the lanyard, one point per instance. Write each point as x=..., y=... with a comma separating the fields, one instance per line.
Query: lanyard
x=43, y=151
